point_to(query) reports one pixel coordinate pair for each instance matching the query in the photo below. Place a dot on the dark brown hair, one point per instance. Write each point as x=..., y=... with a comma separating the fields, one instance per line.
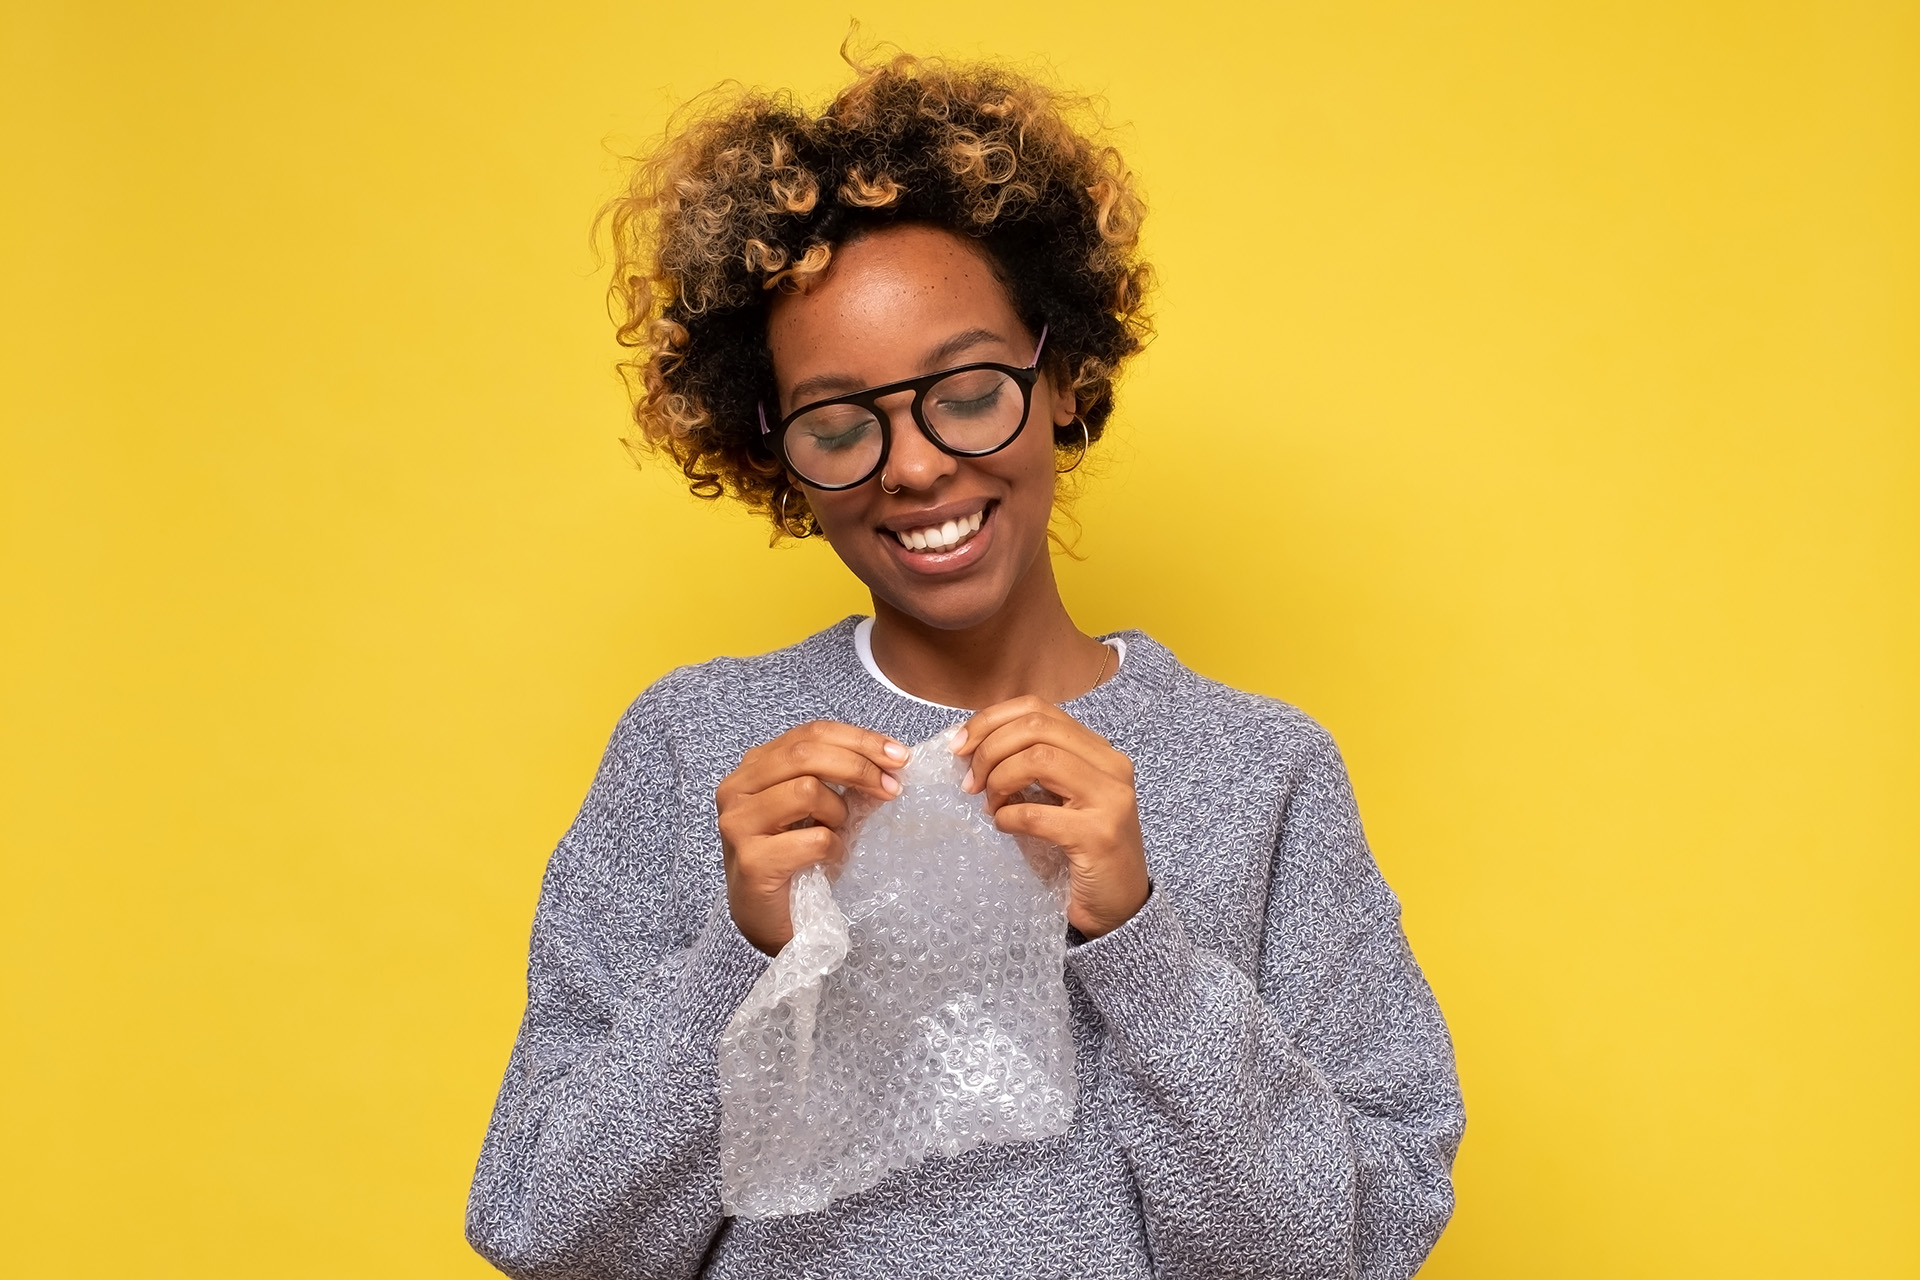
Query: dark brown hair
x=750, y=193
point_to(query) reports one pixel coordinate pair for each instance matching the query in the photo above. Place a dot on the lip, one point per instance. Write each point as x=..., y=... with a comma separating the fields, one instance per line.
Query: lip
x=933, y=563
x=920, y=519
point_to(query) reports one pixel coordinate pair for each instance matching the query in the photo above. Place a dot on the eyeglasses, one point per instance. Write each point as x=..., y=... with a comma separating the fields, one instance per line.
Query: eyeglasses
x=969, y=412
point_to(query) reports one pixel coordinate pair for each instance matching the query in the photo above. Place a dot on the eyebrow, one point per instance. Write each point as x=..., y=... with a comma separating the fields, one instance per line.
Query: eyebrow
x=829, y=384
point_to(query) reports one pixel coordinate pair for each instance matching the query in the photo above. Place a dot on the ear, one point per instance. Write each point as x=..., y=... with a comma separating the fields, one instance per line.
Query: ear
x=1064, y=404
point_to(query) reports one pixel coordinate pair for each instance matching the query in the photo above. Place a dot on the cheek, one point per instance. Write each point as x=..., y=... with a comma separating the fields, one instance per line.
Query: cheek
x=838, y=513
x=1030, y=469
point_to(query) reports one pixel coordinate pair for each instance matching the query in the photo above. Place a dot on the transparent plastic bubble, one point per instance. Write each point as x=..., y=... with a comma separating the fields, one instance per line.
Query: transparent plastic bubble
x=920, y=1008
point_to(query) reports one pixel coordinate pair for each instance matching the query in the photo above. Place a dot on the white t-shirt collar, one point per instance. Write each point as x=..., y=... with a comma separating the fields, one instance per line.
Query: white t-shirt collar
x=863, y=645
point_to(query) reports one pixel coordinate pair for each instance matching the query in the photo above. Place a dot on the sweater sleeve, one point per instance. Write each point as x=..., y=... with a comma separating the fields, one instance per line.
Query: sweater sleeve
x=1300, y=1122
x=602, y=1157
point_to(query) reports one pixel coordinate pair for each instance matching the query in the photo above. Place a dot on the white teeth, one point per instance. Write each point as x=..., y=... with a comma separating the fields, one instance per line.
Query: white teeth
x=939, y=537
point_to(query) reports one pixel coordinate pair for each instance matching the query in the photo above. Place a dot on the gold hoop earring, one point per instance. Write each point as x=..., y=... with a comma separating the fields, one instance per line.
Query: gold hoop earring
x=883, y=485
x=1086, y=443
x=786, y=525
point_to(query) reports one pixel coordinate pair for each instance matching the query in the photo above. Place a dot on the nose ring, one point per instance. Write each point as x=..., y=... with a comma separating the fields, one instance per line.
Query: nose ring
x=883, y=485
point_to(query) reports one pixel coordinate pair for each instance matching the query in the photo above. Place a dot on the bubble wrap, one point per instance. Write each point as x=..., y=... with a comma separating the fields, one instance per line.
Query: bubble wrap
x=919, y=1008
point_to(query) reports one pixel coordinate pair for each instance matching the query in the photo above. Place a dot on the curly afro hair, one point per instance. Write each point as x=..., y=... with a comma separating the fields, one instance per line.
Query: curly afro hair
x=750, y=194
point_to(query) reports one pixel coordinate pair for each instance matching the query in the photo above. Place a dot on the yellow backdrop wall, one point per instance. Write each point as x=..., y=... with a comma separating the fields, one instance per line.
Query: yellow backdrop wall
x=1536, y=404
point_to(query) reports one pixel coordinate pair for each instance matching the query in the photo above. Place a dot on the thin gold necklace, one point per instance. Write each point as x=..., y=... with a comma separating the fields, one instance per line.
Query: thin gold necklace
x=1107, y=658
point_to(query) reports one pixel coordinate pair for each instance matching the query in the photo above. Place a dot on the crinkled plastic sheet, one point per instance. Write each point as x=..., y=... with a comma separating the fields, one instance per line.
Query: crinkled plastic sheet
x=920, y=1007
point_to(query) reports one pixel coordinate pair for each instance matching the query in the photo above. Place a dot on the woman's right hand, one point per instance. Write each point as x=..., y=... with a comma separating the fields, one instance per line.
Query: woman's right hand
x=780, y=813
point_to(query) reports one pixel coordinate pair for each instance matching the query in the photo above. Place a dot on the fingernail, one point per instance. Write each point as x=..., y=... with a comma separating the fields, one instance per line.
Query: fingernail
x=957, y=739
x=966, y=783
x=890, y=784
x=895, y=751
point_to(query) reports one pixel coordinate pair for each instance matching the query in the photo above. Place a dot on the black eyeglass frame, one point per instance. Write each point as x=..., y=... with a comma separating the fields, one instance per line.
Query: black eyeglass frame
x=869, y=399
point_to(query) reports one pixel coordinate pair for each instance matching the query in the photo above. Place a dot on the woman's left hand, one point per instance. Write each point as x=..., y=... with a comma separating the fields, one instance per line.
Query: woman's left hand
x=1014, y=744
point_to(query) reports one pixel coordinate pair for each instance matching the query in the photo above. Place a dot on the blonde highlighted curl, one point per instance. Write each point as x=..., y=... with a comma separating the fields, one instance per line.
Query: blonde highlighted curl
x=750, y=193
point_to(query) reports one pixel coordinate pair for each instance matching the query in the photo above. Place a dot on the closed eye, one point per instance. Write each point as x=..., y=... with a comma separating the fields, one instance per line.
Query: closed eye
x=835, y=437
x=976, y=397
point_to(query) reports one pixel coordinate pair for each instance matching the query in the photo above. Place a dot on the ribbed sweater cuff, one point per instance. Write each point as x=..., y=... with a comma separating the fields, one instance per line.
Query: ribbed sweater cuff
x=1142, y=977
x=721, y=968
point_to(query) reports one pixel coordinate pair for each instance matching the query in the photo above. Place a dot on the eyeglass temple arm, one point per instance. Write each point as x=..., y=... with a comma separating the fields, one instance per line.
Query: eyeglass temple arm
x=760, y=406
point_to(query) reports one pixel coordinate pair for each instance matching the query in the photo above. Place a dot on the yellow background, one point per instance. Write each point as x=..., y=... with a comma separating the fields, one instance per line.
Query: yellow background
x=1536, y=404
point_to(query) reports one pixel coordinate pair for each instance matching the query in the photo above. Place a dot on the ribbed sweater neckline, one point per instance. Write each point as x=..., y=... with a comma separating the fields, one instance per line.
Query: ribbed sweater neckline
x=855, y=697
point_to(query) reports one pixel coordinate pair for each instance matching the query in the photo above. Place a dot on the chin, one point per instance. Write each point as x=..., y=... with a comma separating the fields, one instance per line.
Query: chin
x=957, y=608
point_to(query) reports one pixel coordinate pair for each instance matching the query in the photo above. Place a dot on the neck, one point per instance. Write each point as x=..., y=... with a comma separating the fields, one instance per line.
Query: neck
x=1031, y=646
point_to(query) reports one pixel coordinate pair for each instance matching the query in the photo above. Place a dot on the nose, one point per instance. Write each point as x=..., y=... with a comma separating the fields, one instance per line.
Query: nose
x=913, y=461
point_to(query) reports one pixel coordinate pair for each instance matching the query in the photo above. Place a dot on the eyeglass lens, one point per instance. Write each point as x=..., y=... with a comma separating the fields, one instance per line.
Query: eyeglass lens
x=973, y=411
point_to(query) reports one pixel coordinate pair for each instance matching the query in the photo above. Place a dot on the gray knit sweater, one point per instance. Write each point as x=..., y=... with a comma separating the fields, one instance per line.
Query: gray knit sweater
x=1267, y=1088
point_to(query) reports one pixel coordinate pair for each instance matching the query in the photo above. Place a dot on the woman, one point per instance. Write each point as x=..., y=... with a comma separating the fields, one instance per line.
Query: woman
x=893, y=324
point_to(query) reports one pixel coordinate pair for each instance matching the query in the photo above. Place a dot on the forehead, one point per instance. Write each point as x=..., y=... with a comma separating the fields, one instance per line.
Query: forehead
x=885, y=295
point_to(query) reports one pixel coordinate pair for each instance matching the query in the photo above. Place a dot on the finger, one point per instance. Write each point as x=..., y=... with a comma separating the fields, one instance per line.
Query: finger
x=831, y=760
x=771, y=861
x=1065, y=773
x=1003, y=729
x=1031, y=715
x=786, y=805
x=888, y=753
x=1053, y=727
x=1066, y=828
x=987, y=719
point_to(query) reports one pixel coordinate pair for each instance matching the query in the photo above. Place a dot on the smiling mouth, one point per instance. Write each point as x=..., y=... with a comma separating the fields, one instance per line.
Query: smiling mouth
x=942, y=537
